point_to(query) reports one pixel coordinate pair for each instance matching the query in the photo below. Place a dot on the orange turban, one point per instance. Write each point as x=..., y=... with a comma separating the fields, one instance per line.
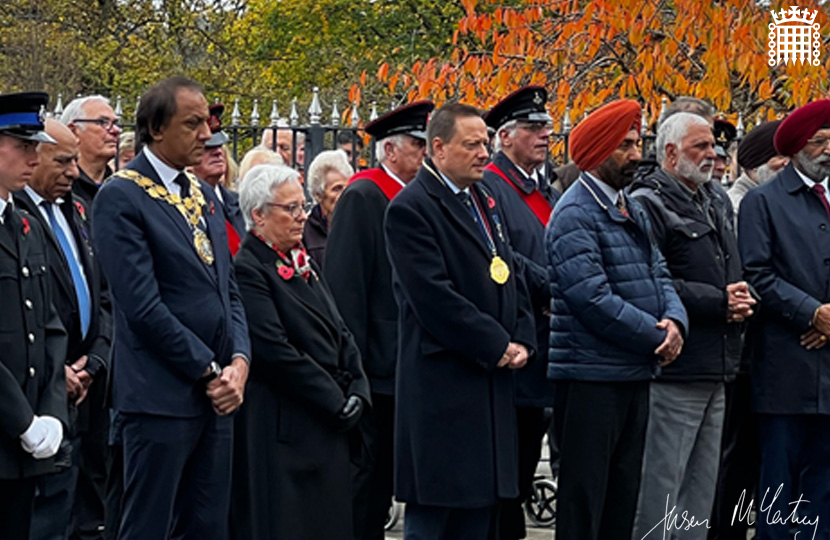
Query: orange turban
x=596, y=137
x=800, y=126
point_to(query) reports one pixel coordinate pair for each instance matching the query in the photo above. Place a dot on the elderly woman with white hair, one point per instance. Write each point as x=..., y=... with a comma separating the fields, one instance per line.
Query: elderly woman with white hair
x=328, y=175
x=306, y=388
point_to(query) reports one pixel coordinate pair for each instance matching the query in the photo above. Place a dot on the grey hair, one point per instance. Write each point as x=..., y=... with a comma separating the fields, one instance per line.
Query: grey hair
x=330, y=160
x=688, y=104
x=267, y=140
x=258, y=156
x=380, y=149
x=511, y=127
x=257, y=188
x=75, y=109
x=674, y=129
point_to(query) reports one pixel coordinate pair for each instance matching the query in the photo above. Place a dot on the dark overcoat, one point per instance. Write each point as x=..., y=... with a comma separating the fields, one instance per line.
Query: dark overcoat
x=455, y=424
x=527, y=237
x=315, y=235
x=291, y=459
x=32, y=345
x=358, y=273
x=784, y=240
x=233, y=214
x=173, y=313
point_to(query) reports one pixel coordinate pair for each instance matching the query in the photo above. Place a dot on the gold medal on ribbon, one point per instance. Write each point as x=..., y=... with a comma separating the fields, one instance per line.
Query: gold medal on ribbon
x=499, y=271
x=203, y=246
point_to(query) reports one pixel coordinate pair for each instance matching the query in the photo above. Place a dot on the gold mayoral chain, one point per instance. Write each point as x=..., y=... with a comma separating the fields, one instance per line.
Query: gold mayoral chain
x=189, y=207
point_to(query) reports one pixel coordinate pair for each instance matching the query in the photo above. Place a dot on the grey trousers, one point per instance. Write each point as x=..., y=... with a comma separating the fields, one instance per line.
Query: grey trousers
x=680, y=462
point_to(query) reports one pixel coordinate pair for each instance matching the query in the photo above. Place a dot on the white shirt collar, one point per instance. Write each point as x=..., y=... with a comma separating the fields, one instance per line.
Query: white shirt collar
x=219, y=194
x=3, y=204
x=809, y=182
x=610, y=192
x=165, y=172
x=393, y=175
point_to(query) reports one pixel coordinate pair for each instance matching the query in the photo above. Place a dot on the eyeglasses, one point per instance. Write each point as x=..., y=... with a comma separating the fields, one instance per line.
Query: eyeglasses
x=106, y=123
x=536, y=127
x=821, y=142
x=293, y=209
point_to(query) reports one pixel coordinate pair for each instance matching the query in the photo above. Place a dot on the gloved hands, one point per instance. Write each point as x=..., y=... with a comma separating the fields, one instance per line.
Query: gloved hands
x=43, y=437
x=350, y=413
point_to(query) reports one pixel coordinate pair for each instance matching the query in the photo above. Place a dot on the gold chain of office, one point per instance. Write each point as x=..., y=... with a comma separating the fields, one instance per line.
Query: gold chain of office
x=189, y=207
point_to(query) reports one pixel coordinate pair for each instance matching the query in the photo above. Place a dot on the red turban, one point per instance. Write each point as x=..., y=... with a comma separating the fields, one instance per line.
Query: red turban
x=801, y=125
x=596, y=137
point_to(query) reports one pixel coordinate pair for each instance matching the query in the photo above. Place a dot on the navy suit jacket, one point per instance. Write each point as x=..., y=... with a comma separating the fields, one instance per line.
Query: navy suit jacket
x=173, y=313
x=784, y=240
x=232, y=211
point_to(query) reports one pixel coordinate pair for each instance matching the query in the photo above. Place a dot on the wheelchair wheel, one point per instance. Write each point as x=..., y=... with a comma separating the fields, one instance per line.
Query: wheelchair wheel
x=395, y=512
x=541, y=505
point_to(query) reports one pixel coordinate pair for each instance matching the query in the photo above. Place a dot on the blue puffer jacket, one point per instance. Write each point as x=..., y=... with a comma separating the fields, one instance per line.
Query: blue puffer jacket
x=610, y=287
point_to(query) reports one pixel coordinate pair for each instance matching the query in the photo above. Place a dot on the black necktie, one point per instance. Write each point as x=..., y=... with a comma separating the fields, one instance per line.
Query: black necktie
x=467, y=201
x=184, y=183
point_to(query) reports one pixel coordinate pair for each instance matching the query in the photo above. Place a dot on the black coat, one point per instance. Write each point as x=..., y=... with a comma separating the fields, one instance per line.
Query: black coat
x=32, y=345
x=233, y=214
x=315, y=234
x=358, y=273
x=455, y=423
x=527, y=237
x=291, y=457
x=702, y=257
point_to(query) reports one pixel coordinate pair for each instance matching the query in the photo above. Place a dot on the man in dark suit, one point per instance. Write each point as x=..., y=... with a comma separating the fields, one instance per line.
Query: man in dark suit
x=181, y=349
x=464, y=323
x=521, y=143
x=77, y=297
x=358, y=273
x=784, y=244
x=32, y=341
x=212, y=167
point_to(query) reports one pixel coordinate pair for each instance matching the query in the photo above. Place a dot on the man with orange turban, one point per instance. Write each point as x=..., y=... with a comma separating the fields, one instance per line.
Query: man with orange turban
x=616, y=320
x=784, y=243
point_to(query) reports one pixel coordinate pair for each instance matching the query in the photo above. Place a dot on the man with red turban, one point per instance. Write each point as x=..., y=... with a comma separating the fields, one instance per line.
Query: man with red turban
x=616, y=320
x=784, y=240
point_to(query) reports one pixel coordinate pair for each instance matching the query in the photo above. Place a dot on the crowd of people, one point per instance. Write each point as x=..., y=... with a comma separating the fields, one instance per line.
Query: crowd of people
x=186, y=351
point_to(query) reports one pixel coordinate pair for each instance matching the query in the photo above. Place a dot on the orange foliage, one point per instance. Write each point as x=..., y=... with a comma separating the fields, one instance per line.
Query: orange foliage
x=587, y=52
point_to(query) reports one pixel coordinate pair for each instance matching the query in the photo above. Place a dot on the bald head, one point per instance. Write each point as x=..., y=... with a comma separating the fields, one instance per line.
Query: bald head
x=58, y=166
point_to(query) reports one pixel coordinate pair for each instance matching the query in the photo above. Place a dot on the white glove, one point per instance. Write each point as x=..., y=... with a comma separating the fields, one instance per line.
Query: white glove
x=43, y=437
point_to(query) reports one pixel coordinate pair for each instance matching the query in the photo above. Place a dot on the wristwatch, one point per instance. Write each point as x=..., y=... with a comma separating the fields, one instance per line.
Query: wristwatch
x=215, y=371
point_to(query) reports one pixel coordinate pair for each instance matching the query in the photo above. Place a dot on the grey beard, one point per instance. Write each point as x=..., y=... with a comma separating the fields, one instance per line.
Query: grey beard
x=764, y=174
x=686, y=168
x=817, y=169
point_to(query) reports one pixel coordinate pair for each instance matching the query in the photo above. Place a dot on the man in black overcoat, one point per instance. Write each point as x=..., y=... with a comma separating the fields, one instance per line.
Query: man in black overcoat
x=464, y=323
x=358, y=273
x=32, y=341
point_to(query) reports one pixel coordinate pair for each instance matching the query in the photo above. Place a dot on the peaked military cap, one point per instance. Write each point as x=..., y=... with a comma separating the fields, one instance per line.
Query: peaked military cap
x=21, y=116
x=527, y=103
x=724, y=133
x=409, y=120
x=217, y=137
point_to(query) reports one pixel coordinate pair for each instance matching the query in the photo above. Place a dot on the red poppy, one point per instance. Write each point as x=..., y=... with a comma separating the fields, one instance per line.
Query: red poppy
x=491, y=202
x=212, y=210
x=26, y=226
x=286, y=272
x=81, y=210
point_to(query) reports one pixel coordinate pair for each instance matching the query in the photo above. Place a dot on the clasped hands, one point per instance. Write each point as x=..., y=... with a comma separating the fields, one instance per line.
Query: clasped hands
x=816, y=336
x=226, y=392
x=740, y=302
x=78, y=380
x=672, y=344
x=514, y=357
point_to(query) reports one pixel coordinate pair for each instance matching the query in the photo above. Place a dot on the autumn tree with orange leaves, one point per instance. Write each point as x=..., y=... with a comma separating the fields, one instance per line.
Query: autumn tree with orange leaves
x=588, y=52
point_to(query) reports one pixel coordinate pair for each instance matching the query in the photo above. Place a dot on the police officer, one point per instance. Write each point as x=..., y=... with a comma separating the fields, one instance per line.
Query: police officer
x=32, y=340
x=522, y=132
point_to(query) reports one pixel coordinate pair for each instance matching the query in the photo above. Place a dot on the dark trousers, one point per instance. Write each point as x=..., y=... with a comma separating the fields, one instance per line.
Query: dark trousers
x=439, y=523
x=177, y=474
x=88, y=511
x=794, y=460
x=17, y=499
x=115, y=491
x=740, y=461
x=372, y=454
x=510, y=518
x=54, y=496
x=601, y=431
